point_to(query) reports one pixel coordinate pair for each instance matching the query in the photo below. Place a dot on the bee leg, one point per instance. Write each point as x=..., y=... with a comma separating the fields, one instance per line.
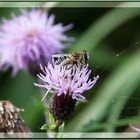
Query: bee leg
x=76, y=64
x=69, y=67
x=74, y=69
x=94, y=73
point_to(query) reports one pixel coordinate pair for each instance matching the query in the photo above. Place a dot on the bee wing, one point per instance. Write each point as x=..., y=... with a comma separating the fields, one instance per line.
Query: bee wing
x=60, y=55
x=59, y=58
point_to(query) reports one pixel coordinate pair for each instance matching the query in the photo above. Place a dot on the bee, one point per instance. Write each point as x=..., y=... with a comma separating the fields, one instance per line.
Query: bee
x=72, y=58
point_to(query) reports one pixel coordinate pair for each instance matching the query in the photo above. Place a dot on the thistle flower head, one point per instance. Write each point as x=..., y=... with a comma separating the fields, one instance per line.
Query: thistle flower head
x=67, y=83
x=28, y=40
x=67, y=80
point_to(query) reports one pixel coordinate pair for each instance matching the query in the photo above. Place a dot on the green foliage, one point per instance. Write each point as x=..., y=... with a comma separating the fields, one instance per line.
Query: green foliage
x=44, y=127
x=52, y=124
x=121, y=82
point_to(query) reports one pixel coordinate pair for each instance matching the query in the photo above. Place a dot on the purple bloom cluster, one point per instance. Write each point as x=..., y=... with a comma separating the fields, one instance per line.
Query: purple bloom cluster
x=66, y=80
x=28, y=40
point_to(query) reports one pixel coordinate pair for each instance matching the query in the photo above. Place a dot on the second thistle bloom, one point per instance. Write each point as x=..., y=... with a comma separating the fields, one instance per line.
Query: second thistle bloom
x=28, y=40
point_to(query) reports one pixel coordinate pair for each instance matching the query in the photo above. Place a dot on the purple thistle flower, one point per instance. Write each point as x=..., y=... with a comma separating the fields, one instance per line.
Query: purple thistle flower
x=65, y=80
x=67, y=83
x=29, y=40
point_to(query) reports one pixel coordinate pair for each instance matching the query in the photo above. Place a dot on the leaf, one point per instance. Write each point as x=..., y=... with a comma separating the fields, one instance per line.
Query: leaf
x=103, y=27
x=126, y=74
x=121, y=122
x=52, y=124
x=98, y=31
x=61, y=128
x=44, y=127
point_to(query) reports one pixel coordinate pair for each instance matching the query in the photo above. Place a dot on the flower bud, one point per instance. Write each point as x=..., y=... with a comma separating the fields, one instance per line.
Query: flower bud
x=62, y=107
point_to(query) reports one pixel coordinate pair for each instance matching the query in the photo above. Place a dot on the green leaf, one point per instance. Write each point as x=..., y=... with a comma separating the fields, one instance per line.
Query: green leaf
x=121, y=82
x=52, y=124
x=96, y=109
x=61, y=128
x=103, y=27
x=121, y=122
x=44, y=127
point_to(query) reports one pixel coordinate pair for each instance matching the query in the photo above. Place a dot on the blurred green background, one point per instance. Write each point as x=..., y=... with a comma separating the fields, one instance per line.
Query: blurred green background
x=114, y=102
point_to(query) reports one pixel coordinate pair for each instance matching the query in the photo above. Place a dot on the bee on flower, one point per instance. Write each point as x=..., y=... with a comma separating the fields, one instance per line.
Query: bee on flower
x=67, y=87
